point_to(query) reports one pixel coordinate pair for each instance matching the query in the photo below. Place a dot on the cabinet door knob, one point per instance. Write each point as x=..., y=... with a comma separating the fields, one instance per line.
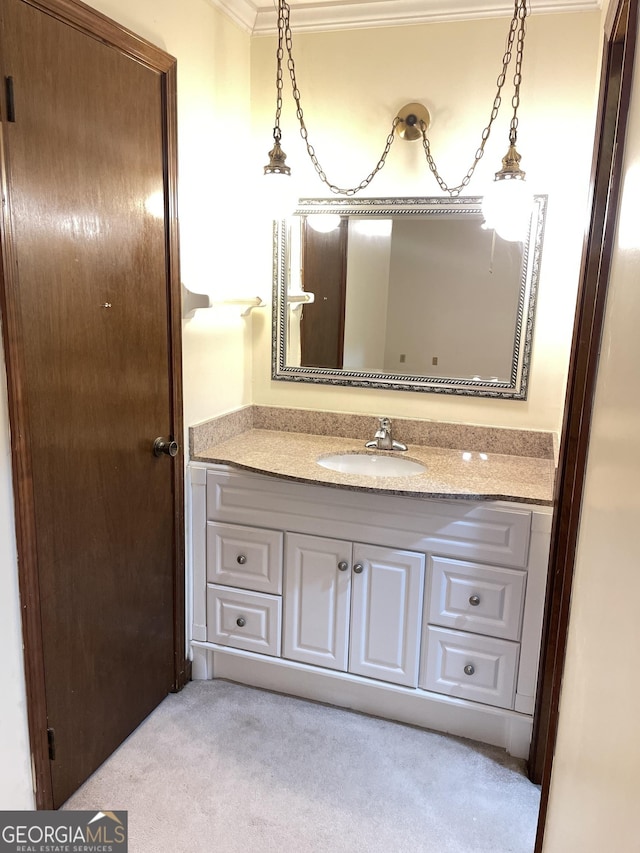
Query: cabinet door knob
x=474, y=601
x=469, y=669
x=241, y=621
x=358, y=568
x=241, y=559
x=343, y=565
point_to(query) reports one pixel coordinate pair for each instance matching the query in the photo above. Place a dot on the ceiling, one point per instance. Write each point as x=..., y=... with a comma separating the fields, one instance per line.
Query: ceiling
x=258, y=17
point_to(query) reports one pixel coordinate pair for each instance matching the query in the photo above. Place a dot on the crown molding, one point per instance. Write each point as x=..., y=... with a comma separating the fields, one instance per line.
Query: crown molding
x=315, y=16
x=242, y=12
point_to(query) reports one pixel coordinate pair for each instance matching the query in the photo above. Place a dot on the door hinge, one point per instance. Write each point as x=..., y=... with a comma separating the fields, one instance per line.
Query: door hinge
x=11, y=107
x=51, y=739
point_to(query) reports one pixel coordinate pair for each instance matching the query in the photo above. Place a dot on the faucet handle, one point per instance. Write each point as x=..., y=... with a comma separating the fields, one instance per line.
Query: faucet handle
x=385, y=423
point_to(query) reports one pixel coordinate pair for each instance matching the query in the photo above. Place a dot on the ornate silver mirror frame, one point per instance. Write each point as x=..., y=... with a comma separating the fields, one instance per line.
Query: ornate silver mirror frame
x=522, y=264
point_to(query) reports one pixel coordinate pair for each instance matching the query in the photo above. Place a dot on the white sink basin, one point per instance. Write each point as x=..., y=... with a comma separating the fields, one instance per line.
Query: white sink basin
x=371, y=464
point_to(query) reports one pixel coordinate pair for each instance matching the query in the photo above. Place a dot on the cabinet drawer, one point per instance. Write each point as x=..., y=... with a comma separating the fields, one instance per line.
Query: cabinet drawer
x=470, y=597
x=246, y=557
x=244, y=620
x=482, y=669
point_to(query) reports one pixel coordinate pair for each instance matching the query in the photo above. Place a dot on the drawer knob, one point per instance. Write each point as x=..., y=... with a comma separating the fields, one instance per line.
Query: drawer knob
x=474, y=601
x=241, y=621
x=469, y=669
x=242, y=559
x=358, y=568
x=343, y=565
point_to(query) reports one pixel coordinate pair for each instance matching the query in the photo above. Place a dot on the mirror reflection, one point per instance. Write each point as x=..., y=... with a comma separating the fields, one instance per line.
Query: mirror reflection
x=404, y=293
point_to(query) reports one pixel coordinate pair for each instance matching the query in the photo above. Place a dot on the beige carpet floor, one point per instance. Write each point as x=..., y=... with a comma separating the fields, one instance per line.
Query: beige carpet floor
x=224, y=768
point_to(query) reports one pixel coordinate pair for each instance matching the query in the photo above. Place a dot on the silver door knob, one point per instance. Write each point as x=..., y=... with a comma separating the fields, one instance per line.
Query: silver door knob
x=358, y=568
x=343, y=565
x=160, y=446
x=241, y=621
x=469, y=669
x=241, y=559
x=474, y=601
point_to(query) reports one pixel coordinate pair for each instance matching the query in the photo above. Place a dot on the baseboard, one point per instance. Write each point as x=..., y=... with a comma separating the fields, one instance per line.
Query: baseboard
x=496, y=726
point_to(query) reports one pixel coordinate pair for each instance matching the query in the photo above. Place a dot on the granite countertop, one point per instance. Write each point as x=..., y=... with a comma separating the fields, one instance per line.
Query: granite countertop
x=450, y=474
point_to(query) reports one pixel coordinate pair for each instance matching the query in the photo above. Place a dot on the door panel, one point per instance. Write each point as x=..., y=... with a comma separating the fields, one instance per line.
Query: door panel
x=86, y=160
x=316, y=600
x=386, y=614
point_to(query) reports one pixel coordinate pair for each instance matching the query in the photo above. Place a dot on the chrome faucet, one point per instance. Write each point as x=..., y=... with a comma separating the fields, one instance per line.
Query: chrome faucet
x=383, y=439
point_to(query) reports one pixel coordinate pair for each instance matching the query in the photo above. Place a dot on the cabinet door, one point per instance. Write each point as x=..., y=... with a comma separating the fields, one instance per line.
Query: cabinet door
x=386, y=614
x=317, y=589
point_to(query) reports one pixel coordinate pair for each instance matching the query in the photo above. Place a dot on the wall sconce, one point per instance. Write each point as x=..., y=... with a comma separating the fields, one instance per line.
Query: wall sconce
x=412, y=123
x=411, y=120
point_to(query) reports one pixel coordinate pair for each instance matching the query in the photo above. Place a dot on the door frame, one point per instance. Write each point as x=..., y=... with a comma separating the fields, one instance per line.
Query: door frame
x=96, y=25
x=620, y=35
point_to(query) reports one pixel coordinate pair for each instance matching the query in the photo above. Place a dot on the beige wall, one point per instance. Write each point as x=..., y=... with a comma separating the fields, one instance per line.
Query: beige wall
x=594, y=789
x=353, y=83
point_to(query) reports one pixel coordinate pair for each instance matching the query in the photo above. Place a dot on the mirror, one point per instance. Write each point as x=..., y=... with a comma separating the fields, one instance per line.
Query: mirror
x=409, y=294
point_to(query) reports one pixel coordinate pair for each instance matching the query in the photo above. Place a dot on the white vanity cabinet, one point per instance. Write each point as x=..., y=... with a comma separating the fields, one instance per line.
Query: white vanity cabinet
x=427, y=611
x=353, y=607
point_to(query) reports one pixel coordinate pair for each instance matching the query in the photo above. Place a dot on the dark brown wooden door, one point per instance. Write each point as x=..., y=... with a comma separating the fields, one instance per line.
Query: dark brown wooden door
x=324, y=271
x=87, y=284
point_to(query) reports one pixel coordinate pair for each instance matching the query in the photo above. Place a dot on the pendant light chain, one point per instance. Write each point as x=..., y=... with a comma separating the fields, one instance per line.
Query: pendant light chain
x=285, y=28
x=277, y=134
x=516, y=26
x=516, y=34
x=517, y=77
